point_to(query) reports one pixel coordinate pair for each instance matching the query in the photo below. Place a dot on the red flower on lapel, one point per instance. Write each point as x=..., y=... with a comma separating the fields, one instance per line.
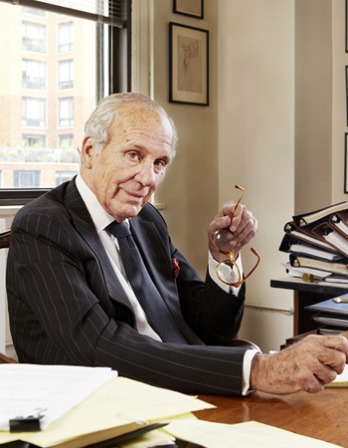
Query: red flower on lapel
x=176, y=267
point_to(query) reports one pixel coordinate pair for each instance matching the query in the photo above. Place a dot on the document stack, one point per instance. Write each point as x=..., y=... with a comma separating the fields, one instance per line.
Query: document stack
x=317, y=244
x=331, y=314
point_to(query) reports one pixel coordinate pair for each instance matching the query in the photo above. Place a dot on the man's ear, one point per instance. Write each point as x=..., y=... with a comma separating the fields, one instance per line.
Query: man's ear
x=87, y=151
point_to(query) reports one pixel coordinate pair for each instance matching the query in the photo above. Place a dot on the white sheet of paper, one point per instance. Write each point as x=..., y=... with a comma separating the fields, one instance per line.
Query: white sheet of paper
x=247, y=435
x=26, y=387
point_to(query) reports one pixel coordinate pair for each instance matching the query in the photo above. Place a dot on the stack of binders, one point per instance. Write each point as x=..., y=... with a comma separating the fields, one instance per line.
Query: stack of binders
x=317, y=244
x=331, y=314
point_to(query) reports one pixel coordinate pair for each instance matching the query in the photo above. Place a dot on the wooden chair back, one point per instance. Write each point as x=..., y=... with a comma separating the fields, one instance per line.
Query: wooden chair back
x=5, y=239
x=4, y=244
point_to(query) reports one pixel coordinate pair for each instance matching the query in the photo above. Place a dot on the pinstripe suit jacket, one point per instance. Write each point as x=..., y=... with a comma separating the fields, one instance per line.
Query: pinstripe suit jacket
x=66, y=305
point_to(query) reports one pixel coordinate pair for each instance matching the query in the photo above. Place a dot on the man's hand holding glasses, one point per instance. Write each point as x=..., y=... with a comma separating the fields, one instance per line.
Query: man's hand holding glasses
x=232, y=228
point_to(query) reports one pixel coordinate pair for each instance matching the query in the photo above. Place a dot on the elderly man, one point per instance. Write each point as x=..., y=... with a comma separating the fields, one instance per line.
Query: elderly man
x=94, y=279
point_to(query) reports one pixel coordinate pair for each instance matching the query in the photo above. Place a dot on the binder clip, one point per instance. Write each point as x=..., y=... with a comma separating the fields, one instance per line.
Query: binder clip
x=27, y=423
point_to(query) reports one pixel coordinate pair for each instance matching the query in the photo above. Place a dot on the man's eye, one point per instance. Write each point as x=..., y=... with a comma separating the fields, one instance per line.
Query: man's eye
x=134, y=155
x=161, y=164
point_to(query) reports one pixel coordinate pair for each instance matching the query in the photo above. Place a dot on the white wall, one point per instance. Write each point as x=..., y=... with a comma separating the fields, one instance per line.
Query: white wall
x=190, y=190
x=256, y=144
x=339, y=99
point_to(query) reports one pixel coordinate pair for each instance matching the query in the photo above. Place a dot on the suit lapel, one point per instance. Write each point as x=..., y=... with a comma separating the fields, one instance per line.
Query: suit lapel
x=160, y=269
x=85, y=227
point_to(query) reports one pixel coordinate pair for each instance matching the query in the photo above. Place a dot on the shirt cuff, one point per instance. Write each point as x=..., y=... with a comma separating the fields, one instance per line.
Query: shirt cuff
x=212, y=264
x=247, y=361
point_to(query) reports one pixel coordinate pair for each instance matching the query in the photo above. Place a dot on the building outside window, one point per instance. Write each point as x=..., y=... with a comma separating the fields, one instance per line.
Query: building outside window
x=40, y=129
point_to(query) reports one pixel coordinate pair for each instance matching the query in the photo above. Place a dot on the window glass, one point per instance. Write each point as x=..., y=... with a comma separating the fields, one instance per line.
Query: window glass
x=26, y=178
x=33, y=74
x=65, y=37
x=65, y=74
x=33, y=37
x=43, y=105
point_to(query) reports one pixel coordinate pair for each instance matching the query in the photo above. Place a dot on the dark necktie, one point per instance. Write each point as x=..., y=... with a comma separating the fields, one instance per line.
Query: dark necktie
x=156, y=310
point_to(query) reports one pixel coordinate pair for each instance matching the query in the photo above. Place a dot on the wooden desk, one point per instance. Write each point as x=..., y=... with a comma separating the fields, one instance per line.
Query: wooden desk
x=322, y=416
x=306, y=294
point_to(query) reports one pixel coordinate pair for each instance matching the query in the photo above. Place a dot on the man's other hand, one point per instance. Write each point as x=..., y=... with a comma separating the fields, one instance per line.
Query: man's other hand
x=306, y=365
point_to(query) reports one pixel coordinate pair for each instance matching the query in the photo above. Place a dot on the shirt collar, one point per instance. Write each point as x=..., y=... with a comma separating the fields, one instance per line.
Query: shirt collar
x=99, y=216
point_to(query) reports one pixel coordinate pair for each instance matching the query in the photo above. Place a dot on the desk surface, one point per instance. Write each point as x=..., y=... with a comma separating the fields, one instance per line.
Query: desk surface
x=322, y=416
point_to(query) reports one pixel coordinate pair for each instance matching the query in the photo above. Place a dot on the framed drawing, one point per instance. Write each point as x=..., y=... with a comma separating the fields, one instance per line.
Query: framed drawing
x=188, y=65
x=346, y=162
x=193, y=8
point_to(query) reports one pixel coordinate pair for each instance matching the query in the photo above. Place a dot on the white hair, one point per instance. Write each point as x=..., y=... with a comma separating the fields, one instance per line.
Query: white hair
x=99, y=123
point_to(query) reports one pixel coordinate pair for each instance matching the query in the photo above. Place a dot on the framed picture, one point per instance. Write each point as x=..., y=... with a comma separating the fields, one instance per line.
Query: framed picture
x=188, y=65
x=346, y=162
x=193, y=8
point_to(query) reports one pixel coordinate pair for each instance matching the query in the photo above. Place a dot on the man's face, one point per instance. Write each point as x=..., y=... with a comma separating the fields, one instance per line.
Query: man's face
x=128, y=169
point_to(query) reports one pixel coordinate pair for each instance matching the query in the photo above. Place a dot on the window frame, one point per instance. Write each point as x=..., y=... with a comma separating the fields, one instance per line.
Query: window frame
x=119, y=79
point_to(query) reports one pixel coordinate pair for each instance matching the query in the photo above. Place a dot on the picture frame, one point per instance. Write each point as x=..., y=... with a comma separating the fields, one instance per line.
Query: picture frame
x=192, y=8
x=346, y=162
x=188, y=65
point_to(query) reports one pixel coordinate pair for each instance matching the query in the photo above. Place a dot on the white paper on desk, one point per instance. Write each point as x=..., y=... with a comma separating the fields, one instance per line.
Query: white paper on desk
x=248, y=435
x=25, y=387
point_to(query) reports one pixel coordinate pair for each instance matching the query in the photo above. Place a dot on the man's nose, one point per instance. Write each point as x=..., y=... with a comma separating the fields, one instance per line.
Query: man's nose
x=146, y=174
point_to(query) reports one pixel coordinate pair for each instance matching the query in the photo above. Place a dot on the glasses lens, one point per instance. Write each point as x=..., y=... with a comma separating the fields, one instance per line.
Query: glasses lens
x=228, y=272
x=222, y=240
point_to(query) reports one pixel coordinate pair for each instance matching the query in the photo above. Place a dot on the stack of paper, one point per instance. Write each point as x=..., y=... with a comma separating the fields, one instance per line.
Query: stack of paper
x=317, y=243
x=119, y=406
x=101, y=406
x=247, y=435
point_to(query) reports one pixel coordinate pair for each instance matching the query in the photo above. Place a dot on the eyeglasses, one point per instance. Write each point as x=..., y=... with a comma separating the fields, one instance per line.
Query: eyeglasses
x=223, y=269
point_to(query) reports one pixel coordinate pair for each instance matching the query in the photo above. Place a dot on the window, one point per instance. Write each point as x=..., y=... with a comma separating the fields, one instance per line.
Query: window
x=34, y=11
x=44, y=106
x=62, y=176
x=26, y=179
x=34, y=37
x=34, y=141
x=65, y=141
x=66, y=113
x=65, y=37
x=65, y=75
x=34, y=112
x=33, y=74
